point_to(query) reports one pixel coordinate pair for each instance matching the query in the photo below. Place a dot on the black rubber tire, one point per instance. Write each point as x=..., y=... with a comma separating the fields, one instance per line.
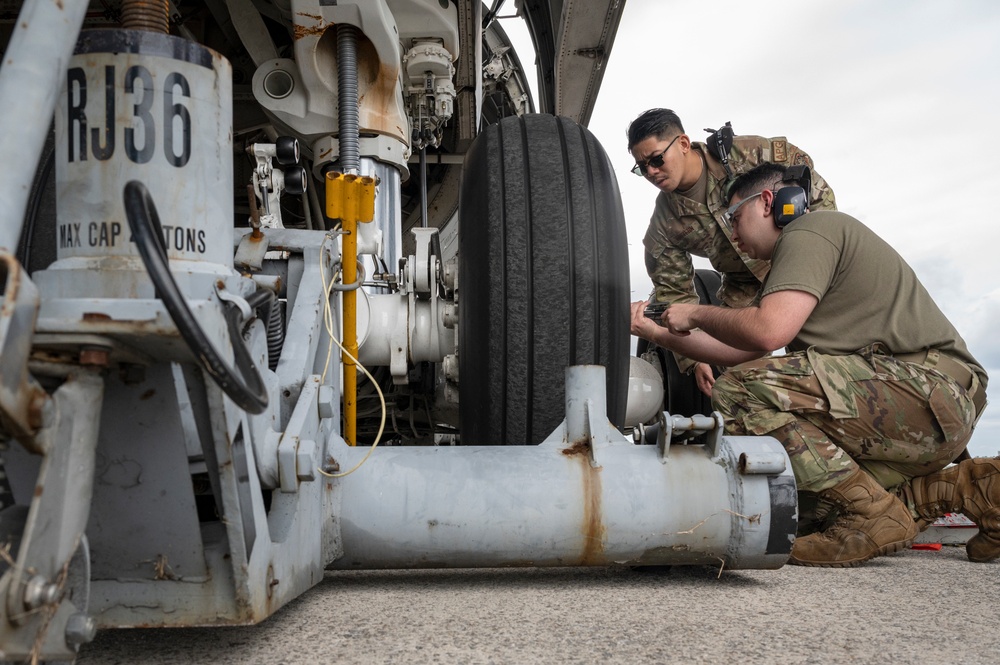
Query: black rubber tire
x=681, y=396
x=543, y=277
x=707, y=284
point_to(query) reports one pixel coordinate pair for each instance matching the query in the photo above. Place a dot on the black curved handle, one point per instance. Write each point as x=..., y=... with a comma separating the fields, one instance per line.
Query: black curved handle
x=148, y=234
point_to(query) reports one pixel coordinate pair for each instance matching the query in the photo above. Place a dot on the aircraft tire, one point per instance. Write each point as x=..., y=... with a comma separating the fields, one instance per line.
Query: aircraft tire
x=543, y=277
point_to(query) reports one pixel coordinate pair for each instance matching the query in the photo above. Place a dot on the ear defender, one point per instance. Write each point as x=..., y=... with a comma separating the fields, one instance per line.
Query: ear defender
x=791, y=203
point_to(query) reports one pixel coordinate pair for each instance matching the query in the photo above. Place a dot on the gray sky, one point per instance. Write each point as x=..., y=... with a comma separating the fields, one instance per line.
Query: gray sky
x=895, y=101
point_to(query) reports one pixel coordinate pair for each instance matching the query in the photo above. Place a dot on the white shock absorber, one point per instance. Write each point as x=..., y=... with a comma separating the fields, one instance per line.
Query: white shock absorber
x=143, y=106
x=413, y=325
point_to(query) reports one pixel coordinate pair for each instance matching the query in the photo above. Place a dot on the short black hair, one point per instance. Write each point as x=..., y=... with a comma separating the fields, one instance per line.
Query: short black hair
x=766, y=175
x=654, y=122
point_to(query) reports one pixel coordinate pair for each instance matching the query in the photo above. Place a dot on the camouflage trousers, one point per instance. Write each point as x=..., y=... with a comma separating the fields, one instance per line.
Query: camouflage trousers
x=897, y=420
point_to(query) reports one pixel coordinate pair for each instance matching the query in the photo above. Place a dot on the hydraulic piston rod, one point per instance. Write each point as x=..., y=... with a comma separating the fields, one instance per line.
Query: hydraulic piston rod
x=351, y=199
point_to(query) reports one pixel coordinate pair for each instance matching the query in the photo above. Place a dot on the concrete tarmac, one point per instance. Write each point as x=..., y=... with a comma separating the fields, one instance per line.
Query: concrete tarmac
x=920, y=607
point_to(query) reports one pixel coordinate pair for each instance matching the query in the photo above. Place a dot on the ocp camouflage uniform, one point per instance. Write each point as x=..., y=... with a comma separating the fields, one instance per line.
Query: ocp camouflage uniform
x=877, y=376
x=905, y=419
x=681, y=227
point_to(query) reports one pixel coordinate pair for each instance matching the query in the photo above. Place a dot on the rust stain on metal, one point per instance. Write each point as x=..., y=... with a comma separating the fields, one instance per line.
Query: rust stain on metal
x=36, y=408
x=380, y=98
x=578, y=448
x=300, y=31
x=271, y=601
x=96, y=316
x=593, y=528
x=377, y=89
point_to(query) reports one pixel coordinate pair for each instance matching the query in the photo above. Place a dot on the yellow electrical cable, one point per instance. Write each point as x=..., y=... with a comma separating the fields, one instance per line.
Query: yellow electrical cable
x=328, y=323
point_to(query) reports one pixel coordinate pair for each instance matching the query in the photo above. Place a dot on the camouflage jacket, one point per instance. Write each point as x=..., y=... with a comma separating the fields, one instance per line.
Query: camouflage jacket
x=681, y=228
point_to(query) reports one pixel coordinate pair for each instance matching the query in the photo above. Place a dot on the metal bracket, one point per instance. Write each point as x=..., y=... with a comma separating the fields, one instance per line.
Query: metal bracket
x=22, y=401
x=668, y=424
x=425, y=268
x=239, y=301
x=298, y=454
x=35, y=609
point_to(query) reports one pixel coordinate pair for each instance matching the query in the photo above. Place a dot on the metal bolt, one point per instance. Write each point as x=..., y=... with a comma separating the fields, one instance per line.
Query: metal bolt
x=80, y=629
x=96, y=356
x=39, y=591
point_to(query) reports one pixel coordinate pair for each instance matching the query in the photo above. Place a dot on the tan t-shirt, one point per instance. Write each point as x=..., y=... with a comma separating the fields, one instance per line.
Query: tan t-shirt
x=867, y=292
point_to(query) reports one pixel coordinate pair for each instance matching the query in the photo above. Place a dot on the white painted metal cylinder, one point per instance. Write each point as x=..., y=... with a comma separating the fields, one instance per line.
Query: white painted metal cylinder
x=155, y=108
x=763, y=462
x=379, y=315
x=390, y=321
x=549, y=505
x=584, y=496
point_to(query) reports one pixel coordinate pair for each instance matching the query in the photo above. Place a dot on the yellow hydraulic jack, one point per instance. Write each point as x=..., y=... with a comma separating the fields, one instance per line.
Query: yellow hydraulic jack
x=350, y=198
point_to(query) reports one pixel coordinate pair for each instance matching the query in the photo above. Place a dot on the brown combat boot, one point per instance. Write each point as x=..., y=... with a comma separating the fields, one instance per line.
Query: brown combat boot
x=972, y=488
x=872, y=522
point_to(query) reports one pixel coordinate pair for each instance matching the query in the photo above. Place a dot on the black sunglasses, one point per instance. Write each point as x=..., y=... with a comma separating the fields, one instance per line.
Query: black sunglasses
x=656, y=161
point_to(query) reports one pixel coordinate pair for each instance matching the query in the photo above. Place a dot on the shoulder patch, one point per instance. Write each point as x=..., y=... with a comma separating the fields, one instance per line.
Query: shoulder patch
x=779, y=150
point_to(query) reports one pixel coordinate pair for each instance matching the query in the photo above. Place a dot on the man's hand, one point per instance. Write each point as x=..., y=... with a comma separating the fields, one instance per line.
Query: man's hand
x=704, y=378
x=642, y=326
x=677, y=318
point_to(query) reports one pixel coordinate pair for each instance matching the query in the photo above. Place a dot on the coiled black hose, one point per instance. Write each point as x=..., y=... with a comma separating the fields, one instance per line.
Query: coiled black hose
x=148, y=234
